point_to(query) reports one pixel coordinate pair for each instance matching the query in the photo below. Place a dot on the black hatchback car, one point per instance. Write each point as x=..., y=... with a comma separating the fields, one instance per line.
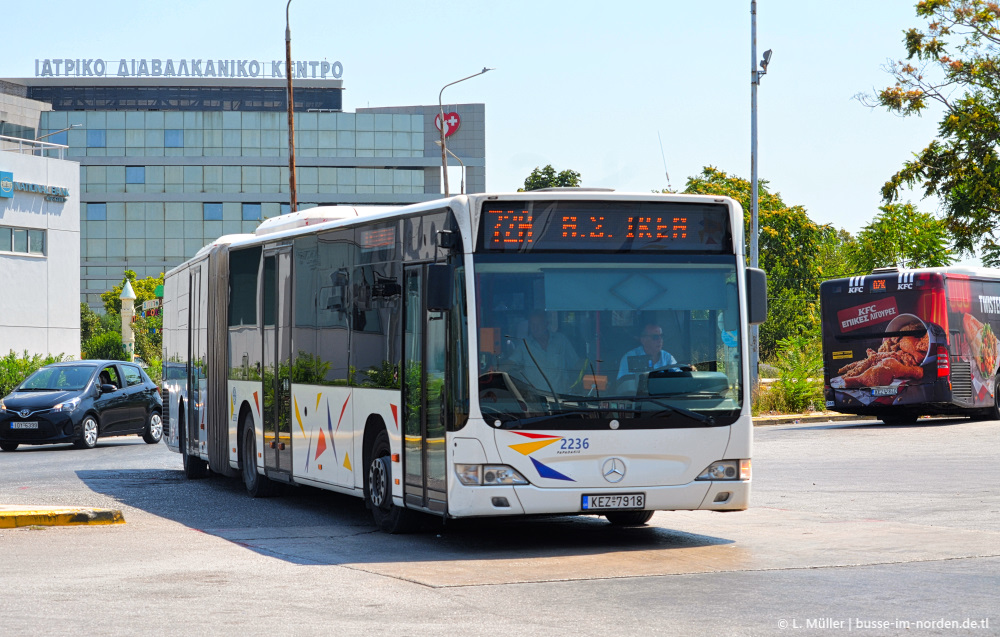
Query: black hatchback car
x=80, y=401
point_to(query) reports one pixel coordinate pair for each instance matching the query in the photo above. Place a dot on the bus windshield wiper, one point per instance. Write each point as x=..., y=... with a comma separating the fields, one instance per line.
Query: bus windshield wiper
x=670, y=409
x=518, y=423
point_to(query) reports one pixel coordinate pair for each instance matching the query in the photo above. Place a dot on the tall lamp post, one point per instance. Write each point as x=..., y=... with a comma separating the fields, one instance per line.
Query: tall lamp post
x=444, y=147
x=56, y=132
x=755, y=76
x=293, y=204
x=460, y=163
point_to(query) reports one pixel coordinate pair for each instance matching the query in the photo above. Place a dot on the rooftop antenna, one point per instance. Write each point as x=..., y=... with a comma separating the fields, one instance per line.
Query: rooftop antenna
x=669, y=187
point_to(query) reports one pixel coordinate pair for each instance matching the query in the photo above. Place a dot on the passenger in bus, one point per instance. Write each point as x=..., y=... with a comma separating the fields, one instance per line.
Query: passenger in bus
x=544, y=358
x=649, y=356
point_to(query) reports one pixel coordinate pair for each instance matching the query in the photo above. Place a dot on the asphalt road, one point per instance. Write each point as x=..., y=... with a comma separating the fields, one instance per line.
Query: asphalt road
x=853, y=527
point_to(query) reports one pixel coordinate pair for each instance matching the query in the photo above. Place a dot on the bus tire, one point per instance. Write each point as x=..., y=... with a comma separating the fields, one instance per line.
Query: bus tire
x=388, y=517
x=993, y=413
x=194, y=468
x=258, y=486
x=899, y=419
x=628, y=518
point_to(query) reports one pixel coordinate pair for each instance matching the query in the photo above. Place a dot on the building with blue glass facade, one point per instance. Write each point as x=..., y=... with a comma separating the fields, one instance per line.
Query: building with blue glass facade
x=168, y=164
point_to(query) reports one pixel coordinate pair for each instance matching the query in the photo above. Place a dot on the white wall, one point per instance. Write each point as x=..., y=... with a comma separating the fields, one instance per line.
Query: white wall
x=40, y=295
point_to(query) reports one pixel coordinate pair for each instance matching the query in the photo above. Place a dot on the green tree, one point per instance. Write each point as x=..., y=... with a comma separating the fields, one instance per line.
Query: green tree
x=789, y=245
x=90, y=323
x=145, y=290
x=833, y=244
x=147, y=330
x=107, y=346
x=953, y=62
x=900, y=235
x=547, y=178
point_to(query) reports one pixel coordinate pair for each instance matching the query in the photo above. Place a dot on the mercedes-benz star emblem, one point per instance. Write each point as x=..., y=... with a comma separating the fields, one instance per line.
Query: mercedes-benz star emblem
x=613, y=469
x=24, y=413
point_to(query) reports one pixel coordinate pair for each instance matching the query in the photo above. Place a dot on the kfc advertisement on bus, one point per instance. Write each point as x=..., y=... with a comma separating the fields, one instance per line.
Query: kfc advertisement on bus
x=919, y=340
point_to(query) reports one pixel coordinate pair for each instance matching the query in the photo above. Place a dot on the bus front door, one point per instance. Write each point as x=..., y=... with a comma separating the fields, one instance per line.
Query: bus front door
x=424, y=393
x=277, y=389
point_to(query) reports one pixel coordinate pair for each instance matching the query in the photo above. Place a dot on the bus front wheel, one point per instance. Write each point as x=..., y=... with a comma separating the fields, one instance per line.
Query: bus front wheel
x=378, y=489
x=628, y=518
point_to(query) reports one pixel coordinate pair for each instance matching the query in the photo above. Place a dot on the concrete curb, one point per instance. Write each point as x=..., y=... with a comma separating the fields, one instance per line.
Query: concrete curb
x=798, y=419
x=13, y=516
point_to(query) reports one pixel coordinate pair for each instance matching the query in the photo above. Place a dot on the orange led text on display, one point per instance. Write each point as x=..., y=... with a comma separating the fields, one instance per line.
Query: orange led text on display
x=513, y=227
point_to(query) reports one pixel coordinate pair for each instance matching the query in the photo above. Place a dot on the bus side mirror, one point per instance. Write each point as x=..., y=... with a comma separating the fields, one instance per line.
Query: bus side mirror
x=756, y=296
x=439, y=287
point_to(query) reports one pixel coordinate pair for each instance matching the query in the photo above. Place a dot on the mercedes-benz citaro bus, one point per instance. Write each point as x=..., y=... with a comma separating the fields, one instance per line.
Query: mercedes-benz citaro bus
x=550, y=352
x=898, y=344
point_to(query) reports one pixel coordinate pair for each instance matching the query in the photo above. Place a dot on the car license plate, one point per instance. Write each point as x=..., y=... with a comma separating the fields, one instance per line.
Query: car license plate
x=611, y=502
x=883, y=391
x=27, y=424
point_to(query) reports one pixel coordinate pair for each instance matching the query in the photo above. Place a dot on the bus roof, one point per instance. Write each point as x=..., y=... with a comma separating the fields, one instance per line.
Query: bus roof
x=965, y=270
x=323, y=217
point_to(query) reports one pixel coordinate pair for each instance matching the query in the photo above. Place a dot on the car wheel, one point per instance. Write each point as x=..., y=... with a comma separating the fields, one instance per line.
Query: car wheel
x=154, y=428
x=88, y=434
x=258, y=486
x=628, y=518
x=378, y=490
x=9, y=446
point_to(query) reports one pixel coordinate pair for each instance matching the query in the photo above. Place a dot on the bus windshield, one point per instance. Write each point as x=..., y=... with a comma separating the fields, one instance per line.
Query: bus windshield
x=580, y=340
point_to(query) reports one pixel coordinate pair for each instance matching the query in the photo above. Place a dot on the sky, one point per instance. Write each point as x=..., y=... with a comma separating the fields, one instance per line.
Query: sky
x=588, y=86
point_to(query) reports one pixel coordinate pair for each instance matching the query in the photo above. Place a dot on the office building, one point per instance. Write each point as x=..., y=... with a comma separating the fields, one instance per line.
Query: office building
x=169, y=163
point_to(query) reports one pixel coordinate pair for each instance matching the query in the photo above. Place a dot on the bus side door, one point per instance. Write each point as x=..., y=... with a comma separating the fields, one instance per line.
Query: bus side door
x=424, y=342
x=277, y=348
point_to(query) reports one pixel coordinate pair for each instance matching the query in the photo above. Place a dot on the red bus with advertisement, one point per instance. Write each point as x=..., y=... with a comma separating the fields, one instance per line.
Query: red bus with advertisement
x=898, y=344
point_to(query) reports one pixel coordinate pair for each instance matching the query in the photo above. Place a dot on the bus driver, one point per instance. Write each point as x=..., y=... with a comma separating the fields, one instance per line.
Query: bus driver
x=649, y=356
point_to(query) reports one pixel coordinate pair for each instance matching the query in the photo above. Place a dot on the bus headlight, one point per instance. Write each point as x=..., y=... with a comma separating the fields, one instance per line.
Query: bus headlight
x=726, y=470
x=472, y=475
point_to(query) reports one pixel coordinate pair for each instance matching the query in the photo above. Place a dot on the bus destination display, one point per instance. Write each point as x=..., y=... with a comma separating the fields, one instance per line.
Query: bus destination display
x=514, y=227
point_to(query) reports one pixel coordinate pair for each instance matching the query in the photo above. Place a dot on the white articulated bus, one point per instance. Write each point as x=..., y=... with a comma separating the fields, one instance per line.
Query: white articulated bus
x=549, y=352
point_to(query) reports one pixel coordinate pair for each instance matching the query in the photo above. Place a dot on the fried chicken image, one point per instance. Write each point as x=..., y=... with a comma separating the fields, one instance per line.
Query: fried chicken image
x=898, y=357
x=883, y=373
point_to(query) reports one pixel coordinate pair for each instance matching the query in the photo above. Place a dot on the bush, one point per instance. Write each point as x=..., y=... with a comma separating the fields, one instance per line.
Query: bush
x=799, y=384
x=14, y=368
x=106, y=346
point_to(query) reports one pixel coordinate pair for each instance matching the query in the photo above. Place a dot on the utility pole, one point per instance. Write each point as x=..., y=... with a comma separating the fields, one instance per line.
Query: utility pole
x=293, y=203
x=755, y=76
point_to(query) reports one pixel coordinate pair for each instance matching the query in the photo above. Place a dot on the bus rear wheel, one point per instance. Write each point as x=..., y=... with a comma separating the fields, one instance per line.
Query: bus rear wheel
x=899, y=419
x=378, y=489
x=258, y=486
x=194, y=467
x=993, y=413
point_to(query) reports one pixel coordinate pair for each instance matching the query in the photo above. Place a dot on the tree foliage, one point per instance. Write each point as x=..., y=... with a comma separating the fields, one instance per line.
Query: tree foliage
x=14, y=368
x=145, y=290
x=900, y=235
x=107, y=346
x=548, y=178
x=788, y=244
x=954, y=62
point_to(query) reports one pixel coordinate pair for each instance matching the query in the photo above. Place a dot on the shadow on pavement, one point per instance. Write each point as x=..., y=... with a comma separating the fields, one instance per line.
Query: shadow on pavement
x=878, y=424
x=304, y=525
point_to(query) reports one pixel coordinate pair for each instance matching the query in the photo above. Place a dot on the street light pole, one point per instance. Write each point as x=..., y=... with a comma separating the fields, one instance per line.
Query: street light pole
x=293, y=203
x=444, y=147
x=56, y=132
x=755, y=76
x=460, y=163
